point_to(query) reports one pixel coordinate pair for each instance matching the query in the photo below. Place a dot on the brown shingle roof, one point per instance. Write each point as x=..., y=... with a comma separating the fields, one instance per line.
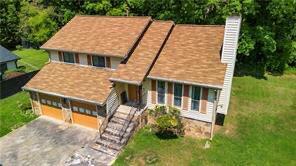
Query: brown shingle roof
x=142, y=58
x=192, y=54
x=104, y=35
x=72, y=81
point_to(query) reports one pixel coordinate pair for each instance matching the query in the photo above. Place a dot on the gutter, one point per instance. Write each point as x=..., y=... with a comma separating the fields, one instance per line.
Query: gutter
x=64, y=96
x=80, y=52
x=187, y=82
x=125, y=81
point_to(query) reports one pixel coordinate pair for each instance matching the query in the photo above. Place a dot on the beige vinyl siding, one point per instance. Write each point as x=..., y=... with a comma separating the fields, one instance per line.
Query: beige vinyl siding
x=83, y=59
x=54, y=56
x=185, y=112
x=115, y=62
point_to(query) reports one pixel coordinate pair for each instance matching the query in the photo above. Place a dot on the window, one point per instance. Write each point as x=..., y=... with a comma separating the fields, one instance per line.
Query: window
x=178, y=94
x=43, y=101
x=195, y=98
x=87, y=111
x=54, y=103
x=94, y=113
x=98, y=61
x=160, y=92
x=48, y=102
x=75, y=109
x=68, y=57
x=82, y=110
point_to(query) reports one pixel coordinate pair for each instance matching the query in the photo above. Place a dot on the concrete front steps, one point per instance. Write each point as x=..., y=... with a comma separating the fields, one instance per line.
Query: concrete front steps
x=119, y=125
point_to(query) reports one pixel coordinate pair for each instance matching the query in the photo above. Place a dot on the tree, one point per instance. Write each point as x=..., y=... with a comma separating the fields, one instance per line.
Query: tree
x=36, y=24
x=9, y=23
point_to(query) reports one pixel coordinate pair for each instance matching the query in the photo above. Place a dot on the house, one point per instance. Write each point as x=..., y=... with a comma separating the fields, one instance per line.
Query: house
x=8, y=61
x=105, y=70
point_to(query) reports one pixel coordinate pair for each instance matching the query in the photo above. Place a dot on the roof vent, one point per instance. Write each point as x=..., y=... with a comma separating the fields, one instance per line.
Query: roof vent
x=230, y=42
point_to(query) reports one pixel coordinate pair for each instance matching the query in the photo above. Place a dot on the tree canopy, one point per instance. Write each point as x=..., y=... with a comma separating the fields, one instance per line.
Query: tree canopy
x=267, y=34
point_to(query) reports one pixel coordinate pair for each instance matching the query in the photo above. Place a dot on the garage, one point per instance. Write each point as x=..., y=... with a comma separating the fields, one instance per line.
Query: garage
x=84, y=114
x=51, y=106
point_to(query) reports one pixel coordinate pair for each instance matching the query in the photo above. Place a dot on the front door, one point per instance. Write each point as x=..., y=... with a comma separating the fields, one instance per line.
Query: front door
x=132, y=93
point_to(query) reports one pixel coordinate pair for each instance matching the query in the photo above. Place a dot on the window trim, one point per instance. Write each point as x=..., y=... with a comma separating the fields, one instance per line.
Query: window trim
x=200, y=97
x=173, y=98
x=92, y=62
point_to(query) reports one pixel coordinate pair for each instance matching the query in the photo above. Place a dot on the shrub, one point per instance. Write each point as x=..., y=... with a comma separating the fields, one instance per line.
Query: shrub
x=167, y=119
x=24, y=107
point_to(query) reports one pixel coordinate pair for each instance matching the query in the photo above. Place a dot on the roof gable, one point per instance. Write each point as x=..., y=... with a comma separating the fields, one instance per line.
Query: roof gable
x=192, y=55
x=102, y=35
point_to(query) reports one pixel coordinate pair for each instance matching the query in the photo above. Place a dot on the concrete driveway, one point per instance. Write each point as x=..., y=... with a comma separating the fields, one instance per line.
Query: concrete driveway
x=43, y=142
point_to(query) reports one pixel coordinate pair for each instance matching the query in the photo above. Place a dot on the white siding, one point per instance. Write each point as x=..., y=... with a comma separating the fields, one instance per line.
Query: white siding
x=54, y=56
x=231, y=36
x=188, y=113
x=112, y=102
x=200, y=116
x=83, y=59
x=145, y=92
x=11, y=65
x=115, y=62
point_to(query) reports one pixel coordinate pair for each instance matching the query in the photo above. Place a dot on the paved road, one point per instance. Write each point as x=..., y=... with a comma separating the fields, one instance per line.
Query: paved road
x=43, y=142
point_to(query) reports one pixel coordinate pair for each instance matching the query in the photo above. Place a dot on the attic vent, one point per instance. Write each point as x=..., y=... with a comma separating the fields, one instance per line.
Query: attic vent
x=231, y=35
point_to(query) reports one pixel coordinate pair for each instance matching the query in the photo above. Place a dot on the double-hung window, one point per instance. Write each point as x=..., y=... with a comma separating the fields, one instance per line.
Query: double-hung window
x=178, y=88
x=195, y=98
x=160, y=92
x=98, y=61
x=68, y=57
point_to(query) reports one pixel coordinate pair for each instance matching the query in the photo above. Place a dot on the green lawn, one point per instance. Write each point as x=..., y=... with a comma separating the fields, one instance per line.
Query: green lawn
x=11, y=117
x=259, y=130
x=32, y=59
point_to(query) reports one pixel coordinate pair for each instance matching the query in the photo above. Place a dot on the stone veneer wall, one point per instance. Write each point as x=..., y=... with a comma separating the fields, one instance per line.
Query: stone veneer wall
x=192, y=128
x=196, y=128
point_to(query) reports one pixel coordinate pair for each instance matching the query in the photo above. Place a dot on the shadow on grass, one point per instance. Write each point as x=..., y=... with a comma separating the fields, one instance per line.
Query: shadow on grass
x=166, y=135
x=254, y=70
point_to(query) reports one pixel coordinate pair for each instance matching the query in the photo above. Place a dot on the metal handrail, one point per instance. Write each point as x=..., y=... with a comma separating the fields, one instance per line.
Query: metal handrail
x=125, y=125
x=131, y=116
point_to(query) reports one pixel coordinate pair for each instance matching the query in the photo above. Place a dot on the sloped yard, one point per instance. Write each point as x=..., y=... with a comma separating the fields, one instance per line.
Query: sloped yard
x=11, y=117
x=259, y=130
x=31, y=59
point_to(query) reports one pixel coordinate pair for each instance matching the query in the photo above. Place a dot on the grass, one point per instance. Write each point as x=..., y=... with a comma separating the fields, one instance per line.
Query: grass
x=32, y=59
x=259, y=130
x=11, y=117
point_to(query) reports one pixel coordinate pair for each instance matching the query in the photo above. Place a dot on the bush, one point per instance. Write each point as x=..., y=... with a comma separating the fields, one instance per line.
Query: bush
x=24, y=107
x=167, y=120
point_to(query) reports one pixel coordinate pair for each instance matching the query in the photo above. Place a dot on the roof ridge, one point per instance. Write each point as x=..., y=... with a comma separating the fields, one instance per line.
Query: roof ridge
x=80, y=15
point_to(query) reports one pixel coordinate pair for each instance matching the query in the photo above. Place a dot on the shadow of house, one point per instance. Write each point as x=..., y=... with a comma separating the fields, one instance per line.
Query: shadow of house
x=15, y=84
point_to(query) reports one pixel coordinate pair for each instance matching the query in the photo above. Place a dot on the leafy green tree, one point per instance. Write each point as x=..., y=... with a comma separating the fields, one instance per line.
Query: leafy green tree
x=36, y=24
x=9, y=23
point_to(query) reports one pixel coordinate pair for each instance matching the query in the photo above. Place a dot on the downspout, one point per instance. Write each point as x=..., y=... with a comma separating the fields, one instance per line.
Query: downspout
x=214, y=114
